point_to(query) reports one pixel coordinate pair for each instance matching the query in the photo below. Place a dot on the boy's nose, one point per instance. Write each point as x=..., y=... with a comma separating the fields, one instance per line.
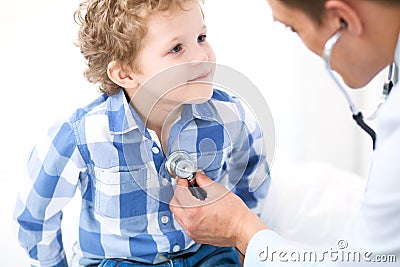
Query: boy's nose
x=198, y=54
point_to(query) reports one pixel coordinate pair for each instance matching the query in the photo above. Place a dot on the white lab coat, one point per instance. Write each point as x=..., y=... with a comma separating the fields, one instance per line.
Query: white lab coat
x=373, y=237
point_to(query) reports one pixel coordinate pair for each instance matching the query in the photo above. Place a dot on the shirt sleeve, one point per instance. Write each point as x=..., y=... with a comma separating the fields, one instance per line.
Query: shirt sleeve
x=267, y=248
x=256, y=253
x=53, y=171
x=248, y=168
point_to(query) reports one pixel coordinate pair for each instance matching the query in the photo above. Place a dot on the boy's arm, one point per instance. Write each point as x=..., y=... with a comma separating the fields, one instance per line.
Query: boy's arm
x=53, y=168
x=248, y=168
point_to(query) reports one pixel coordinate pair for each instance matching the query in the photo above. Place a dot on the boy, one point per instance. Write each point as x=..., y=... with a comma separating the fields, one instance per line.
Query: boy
x=115, y=149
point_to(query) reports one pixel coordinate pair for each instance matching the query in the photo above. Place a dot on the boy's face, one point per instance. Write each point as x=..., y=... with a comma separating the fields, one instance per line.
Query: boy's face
x=177, y=38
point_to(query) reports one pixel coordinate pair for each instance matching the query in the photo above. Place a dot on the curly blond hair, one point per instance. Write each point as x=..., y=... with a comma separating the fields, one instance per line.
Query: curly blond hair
x=112, y=30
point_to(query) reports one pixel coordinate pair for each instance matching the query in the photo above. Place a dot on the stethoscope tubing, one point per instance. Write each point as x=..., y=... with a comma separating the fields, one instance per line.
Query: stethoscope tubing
x=327, y=58
x=357, y=115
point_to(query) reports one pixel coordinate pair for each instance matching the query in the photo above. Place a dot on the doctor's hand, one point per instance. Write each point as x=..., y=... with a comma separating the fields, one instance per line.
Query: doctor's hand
x=222, y=219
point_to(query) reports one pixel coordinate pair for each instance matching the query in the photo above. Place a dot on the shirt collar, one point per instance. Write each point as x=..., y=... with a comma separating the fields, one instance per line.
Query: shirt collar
x=203, y=111
x=122, y=117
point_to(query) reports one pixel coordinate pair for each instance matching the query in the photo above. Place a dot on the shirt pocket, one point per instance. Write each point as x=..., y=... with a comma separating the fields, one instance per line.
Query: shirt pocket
x=214, y=163
x=120, y=194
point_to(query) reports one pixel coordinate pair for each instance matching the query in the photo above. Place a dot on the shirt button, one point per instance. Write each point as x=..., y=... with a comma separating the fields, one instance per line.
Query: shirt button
x=176, y=248
x=165, y=181
x=164, y=220
x=155, y=150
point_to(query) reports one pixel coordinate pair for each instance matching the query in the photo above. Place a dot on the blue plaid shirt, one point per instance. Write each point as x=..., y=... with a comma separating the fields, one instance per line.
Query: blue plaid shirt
x=106, y=151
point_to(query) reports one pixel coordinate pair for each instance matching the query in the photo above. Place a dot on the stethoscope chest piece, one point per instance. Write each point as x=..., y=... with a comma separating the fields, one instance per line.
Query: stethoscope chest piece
x=181, y=164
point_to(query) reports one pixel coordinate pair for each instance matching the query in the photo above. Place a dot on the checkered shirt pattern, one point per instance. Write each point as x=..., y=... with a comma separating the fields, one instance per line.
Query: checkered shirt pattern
x=117, y=164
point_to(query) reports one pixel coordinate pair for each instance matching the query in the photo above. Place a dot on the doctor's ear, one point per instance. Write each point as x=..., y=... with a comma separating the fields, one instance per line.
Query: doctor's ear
x=348, y=17
x=121, y=75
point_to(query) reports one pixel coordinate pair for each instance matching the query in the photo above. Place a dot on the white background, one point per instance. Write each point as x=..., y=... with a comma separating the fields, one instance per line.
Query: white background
x=41, y=81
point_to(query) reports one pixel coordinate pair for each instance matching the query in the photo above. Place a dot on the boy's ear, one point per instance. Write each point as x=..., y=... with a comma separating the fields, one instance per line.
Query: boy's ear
x=122, y=76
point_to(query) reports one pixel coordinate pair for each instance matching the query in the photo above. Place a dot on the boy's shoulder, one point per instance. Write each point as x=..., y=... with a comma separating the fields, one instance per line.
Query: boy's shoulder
x=94, y=107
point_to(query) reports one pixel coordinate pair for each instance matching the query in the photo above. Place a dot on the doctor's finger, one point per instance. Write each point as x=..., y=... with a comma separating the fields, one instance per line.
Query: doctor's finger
x=182, y=182
x=183, y=198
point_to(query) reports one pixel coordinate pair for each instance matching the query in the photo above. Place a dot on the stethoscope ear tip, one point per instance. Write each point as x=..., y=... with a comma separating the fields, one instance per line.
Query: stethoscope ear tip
x=343, y=23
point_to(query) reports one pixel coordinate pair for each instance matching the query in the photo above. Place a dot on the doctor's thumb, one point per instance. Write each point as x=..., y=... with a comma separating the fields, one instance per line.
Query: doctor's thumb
x=202, y=179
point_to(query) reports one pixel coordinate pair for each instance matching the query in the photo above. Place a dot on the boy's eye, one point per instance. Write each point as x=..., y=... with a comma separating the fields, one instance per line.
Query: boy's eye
x=176, y=49
x=201, y=38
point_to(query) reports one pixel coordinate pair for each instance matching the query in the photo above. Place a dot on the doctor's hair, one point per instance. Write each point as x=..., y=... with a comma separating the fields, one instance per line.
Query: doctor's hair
x=315, y=9
x=113, y=30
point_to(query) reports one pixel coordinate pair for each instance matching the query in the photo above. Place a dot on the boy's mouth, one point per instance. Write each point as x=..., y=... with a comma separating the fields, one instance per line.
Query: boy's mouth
x=202, y=77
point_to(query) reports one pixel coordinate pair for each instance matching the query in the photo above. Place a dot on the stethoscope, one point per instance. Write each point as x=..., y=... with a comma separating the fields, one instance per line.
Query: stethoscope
x=181, y=164
x=357, y=115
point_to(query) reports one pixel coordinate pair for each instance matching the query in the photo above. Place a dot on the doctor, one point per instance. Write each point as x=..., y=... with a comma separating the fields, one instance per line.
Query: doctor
x=368, y=42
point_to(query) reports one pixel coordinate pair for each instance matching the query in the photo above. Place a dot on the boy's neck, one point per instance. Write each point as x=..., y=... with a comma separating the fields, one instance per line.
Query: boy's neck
x=161, y=122
x=158, y=118
x=161, y=118
x=157, y=114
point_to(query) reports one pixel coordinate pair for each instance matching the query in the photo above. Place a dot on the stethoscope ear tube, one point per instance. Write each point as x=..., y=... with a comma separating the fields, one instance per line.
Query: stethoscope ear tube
x=327, y=58
x=357, y=115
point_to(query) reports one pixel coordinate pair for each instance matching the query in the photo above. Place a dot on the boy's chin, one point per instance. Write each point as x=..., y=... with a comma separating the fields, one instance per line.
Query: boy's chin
x=203, y=94
x=199, y=100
